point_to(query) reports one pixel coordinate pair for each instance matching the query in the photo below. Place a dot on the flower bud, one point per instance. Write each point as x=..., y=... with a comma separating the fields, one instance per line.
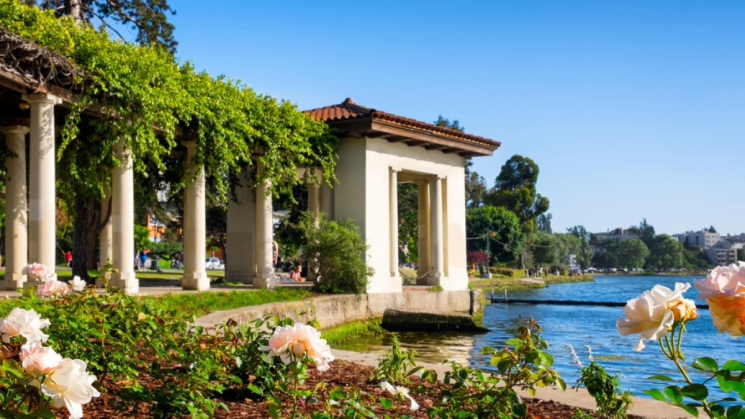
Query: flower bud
x=684, y=310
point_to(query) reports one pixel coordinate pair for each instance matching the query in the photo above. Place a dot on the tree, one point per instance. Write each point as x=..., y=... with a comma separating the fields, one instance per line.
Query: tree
x=584, y=255
x=665, y=253
x=500, y=227
x=632, y=253
x=446, y=123
x=741, y=255
x=544, y=223
x=605, y=260
x=646, y=233
x=408, y=219
x=543, y=249
x=475, y=187
x=149, y=18
x=712, y=229
x=567, y=244
x=515, y=190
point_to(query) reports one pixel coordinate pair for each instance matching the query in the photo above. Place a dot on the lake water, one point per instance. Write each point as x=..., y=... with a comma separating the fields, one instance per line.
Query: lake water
x=578, y=326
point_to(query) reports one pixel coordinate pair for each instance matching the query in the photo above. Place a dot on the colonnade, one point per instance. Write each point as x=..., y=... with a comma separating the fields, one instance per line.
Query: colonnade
x=431, y=231
x=30, y=231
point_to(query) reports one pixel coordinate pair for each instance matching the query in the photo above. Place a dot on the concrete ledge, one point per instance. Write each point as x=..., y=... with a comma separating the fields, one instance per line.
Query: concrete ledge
x=335, y=310
x=423, y=321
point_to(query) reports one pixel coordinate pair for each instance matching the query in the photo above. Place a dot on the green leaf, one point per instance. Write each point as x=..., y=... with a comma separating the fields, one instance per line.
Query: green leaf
x=660, y=378
x=562, y=385
x=387, y=404
x=690, y=408
x=733, y=366
x=674, y=394
x=255, y=389
x=705, y=364
x=655, y=394
x=695, y=391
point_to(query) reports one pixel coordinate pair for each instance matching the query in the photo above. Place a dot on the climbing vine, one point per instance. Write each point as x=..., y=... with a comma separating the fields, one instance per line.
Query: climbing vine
x=144, y=96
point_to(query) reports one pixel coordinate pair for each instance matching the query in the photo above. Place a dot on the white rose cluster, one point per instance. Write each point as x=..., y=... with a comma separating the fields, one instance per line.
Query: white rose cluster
x=64, y=380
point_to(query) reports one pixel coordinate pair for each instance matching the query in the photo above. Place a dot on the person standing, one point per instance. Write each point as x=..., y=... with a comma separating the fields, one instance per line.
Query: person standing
x=68, y=258
x=143, y=259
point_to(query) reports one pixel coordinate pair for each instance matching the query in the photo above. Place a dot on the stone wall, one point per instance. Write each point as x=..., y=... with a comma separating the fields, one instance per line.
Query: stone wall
x=335, y=310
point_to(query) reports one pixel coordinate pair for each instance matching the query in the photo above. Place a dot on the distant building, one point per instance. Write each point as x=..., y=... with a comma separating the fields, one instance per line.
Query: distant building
x=703, y=239
x=618, y=234
x=722, y=253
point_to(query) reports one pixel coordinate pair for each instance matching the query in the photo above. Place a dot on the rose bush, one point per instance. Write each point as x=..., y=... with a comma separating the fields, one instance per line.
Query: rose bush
x=52, y=288
x=294, y=342
x=662, y=314
x=38, y=272
x=77, y=284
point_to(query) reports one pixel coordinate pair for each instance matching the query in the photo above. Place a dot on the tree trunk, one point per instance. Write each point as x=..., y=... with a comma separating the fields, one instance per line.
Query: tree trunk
x=85, y=236
x=74, y=9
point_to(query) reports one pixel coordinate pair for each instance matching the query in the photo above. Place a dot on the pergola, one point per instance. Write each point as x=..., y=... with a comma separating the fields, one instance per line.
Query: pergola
x=377, y=152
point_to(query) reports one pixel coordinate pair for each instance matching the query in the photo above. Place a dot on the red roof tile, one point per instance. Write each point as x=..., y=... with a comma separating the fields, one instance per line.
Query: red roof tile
x=348, y=110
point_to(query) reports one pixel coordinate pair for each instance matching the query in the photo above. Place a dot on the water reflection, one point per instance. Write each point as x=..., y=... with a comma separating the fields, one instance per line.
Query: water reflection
x=430, y=347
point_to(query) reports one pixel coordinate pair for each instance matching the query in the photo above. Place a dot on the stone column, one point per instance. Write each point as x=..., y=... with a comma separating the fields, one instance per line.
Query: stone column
x=16, y=222
x=195, y=225
x=327, y=200
x=314, y=198
x=240, y=261
x=123, y=222
x=435, y=227
x=393, y=221
x=264, y=236
x=106, y=236
x=423, y=249
x=42, y=217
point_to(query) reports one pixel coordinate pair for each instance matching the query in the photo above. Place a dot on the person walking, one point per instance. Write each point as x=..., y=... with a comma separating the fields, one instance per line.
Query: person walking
x=143, y=259
x=68, y=258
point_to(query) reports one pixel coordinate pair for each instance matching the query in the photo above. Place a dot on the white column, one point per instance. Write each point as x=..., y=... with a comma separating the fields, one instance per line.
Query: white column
x=123, y=222
x=264, y=236
x=436, y=237
x=106, y=236
x=240, y=260
x=393, y=221
x=195, y=225
x=423, y=248
x=16, y=223
x=42, y=218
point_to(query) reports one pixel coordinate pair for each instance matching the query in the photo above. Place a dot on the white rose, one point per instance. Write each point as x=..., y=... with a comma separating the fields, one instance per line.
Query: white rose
x=39, y=360
x=77, y=284
x=651, y=313
x=69, y=385
x=25, y=323
x=399, y=391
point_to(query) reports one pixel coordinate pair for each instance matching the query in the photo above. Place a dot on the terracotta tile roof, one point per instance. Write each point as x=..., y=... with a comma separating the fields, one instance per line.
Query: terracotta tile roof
x=349, y=110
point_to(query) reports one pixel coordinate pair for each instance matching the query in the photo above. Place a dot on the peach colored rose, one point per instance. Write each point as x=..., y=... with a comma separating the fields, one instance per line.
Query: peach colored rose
x=37, y=359
x=651, y=314
x=26, y=323
x=724, y=291
x=289, y=342
x=684, y=310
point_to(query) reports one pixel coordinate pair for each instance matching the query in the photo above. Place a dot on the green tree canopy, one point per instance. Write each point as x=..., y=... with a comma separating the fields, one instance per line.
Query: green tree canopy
x=567, y=244
x=515, y=190
x=605, y=260
x=543, y=249
x=632, y=253
x=665, y=253
x=506, y=240
x=148, y=18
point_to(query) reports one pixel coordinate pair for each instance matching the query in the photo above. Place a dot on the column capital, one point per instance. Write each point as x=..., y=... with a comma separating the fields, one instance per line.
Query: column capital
x=189, y=144
x=13, y=129
x=438, y=177
x=42, y=98
x=313, y=185
x=395, y=169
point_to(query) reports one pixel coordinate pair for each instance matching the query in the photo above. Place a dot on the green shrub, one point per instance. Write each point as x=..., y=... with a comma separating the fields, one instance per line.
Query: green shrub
x=493, y=270
x=335, y=254
x=509, y=273
x=165, y=249
x=563, y=270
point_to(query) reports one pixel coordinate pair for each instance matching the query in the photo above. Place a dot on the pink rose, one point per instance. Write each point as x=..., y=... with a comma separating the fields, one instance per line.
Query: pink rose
x=291, y=342
x=38, y=272
x=52, y=288
x=724, y=291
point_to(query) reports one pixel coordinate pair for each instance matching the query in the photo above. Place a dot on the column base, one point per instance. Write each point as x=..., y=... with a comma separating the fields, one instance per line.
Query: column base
x=264, y=281
x=435, y=279
x=197, y=281
x=125, y=281
x=242, y=277
x=12, y=282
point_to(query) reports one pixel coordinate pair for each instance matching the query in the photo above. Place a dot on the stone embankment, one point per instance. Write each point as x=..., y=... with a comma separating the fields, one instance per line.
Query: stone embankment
x=336, y=310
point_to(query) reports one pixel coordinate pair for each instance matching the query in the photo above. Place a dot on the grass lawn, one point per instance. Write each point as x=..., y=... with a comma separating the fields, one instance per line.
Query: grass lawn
x=65, y=275
x=501, y=283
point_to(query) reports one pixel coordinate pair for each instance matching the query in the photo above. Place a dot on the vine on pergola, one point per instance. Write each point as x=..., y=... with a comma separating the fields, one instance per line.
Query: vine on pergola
x=144, y=96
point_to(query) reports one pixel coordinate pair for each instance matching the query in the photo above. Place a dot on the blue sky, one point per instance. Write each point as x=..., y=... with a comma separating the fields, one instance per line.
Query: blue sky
x=631, y=109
